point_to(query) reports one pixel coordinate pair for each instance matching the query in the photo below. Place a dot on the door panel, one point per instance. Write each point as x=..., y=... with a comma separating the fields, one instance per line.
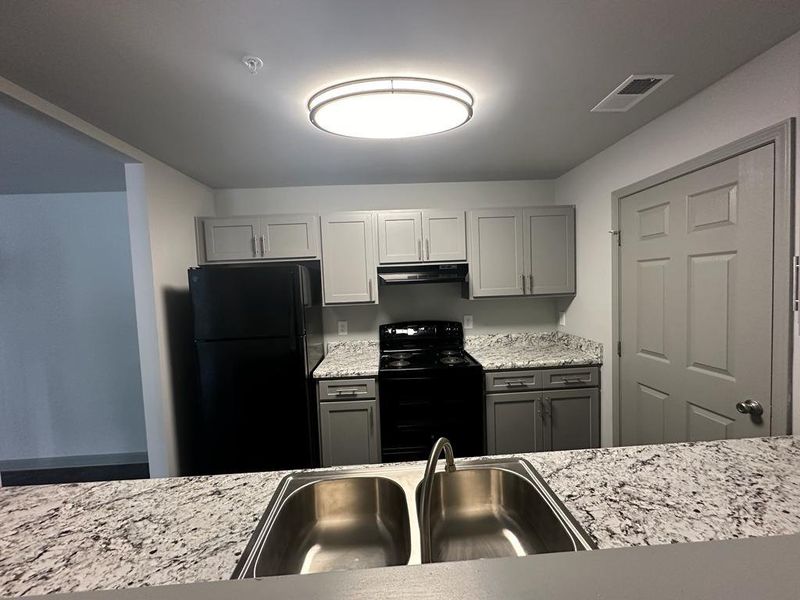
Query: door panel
x=400, y=237
x=550, y=249
x=445, y=236
x=290, y=236
x=232, y=239
x=348, y=258
x=496, y=262
x=696, y=303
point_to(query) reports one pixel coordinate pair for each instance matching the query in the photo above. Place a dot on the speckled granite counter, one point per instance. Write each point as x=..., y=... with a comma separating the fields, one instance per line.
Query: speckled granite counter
x=357, y=358
x=124, y=534
x=533, y=350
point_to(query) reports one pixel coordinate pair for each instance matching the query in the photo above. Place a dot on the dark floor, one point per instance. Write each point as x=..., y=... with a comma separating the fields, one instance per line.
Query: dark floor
x=74, y=474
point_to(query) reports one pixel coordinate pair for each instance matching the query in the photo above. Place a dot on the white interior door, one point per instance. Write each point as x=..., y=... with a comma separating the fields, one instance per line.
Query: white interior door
x=696, y=303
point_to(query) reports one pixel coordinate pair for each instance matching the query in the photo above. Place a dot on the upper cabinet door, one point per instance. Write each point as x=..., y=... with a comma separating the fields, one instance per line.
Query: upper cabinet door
x=496, y=256
x=348, y=258
x=399, y=237
x=289, y=236
x=444, y=235
x=233, y=239
x=550, y=250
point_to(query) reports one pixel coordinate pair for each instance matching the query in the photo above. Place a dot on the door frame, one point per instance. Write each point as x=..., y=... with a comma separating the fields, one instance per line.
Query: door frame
x=784, y=281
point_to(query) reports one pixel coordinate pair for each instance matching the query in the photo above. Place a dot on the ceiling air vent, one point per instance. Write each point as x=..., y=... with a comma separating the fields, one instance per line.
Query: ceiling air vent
x=630, y=92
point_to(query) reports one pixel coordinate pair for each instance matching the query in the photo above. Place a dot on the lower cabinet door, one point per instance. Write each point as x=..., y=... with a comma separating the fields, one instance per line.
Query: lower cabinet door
x=349, y=433
x=513, y=422
x=571, y=419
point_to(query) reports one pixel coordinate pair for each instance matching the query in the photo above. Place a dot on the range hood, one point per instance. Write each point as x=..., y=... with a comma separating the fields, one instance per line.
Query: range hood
x=406, y=274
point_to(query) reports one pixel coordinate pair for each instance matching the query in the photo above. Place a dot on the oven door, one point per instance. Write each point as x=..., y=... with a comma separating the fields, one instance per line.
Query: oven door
x=416, y=410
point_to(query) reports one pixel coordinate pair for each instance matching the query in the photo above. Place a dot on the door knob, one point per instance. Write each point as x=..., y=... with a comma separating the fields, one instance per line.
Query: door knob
x=750, y=407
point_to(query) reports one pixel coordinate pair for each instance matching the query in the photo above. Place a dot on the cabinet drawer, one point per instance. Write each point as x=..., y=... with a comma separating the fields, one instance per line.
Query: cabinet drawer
x=513, y=381
x=571, y=377
x=346, y=389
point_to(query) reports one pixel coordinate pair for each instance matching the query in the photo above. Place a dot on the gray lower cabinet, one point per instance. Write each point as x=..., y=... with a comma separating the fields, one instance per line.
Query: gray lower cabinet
x=349, y=432
x=513, y=423
x=550, y=418
x=570, y=419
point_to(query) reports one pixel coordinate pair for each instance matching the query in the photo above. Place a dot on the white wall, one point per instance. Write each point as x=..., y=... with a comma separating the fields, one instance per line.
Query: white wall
x=759, y=94
x=429, y=301
x=69, y=358
x=172, y=201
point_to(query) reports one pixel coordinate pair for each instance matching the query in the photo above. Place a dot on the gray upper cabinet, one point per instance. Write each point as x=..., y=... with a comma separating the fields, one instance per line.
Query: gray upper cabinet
x=444, y=235
x=349, y=272
x=571, y=419
x=399, y=237
x=349, y=433
x=289, y=236
x=273, y=237
x=231, y=239
x=550, y=250
x=421, y=236
x=496, y=252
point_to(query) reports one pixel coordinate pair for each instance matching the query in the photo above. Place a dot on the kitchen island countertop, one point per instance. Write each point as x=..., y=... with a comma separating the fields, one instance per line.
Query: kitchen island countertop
x=180, y=530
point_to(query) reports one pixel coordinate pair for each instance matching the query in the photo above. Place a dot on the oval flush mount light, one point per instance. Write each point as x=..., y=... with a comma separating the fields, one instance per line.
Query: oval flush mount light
x=390, y=107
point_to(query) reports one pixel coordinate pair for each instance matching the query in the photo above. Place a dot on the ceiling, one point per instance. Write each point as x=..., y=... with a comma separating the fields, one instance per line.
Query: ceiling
x=39, y=155
x=165, y=76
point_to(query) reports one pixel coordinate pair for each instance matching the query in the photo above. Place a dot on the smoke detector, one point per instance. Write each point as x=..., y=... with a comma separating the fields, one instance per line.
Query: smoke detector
x=253, y=64
x=630, y=92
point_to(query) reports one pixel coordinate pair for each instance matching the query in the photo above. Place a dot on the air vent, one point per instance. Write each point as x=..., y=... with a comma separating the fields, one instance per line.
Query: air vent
x=630, y=92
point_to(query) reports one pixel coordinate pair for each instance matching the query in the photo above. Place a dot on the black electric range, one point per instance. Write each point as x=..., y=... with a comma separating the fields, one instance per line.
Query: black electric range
x=429, y=387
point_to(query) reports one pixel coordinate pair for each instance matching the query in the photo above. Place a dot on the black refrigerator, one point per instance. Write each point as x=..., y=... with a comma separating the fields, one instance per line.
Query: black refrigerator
x=258, y=338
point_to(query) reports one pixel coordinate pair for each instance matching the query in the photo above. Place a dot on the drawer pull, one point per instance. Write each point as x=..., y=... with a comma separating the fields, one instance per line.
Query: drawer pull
x=350, y=392
x=572, y=380
x=516, y=383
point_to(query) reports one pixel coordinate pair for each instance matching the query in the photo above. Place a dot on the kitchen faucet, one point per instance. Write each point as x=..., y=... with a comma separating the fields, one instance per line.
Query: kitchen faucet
x=427, y=493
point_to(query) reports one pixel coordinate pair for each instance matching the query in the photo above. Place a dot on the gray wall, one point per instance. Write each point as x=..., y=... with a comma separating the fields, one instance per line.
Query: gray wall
x=69, y=365
x=442, y=301
x=758, y=94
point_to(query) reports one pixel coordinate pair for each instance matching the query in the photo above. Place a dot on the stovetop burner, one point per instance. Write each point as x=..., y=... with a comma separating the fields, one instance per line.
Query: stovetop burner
x=452, y=360
x=399, y=364
x=401, y=355
x=450, y=352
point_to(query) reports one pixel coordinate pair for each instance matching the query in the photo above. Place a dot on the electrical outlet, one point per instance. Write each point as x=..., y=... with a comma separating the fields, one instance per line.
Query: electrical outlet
x=342, y=325
x=467, y=321
x=562, y=319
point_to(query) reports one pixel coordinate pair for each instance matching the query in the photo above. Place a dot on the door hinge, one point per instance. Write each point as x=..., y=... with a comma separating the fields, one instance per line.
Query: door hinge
x=796, y=289
x=619, y=348
x=617, y=233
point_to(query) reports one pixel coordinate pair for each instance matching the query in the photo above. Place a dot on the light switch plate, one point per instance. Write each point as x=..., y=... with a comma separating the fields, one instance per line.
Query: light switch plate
x=342, y=326
x=562, y=318
x=467, y=321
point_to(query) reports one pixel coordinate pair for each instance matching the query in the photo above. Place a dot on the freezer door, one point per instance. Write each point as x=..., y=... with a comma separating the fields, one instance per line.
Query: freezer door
x=254, y=409
x=234, y=302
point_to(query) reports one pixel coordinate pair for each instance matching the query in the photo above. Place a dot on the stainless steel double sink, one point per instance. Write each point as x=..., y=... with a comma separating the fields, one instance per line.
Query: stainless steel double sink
x=368, y=517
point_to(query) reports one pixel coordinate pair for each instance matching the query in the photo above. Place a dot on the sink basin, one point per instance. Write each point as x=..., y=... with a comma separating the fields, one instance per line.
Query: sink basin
x=368, y=517
x=336, y=524
x=490, y=513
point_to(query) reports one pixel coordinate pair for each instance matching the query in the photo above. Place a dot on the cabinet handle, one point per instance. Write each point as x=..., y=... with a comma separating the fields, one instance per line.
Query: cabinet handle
x=516, y=383
x=419, y=249
x=530, y=284
x=371, y=422
x=369, y=285
x=428, y=248
x=255, y=246
x=350, y=392
x=523, y=284
x=572, y=380
x=263, y=246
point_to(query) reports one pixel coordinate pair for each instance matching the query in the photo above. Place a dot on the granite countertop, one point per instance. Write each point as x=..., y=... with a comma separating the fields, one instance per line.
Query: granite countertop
x=496, y=351
x=357, y=358
x=165, y=531
x=533, y=350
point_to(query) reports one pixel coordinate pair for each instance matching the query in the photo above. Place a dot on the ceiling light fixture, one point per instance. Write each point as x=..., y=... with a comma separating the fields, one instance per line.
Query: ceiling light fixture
x=390, y=107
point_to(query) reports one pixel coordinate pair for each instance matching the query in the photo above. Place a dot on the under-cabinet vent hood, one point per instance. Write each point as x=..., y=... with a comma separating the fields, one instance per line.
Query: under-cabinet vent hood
x=405, y=274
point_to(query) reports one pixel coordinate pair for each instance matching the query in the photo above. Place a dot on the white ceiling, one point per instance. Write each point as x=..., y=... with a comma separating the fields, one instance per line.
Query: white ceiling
x=39, y=155
x=165, y=76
